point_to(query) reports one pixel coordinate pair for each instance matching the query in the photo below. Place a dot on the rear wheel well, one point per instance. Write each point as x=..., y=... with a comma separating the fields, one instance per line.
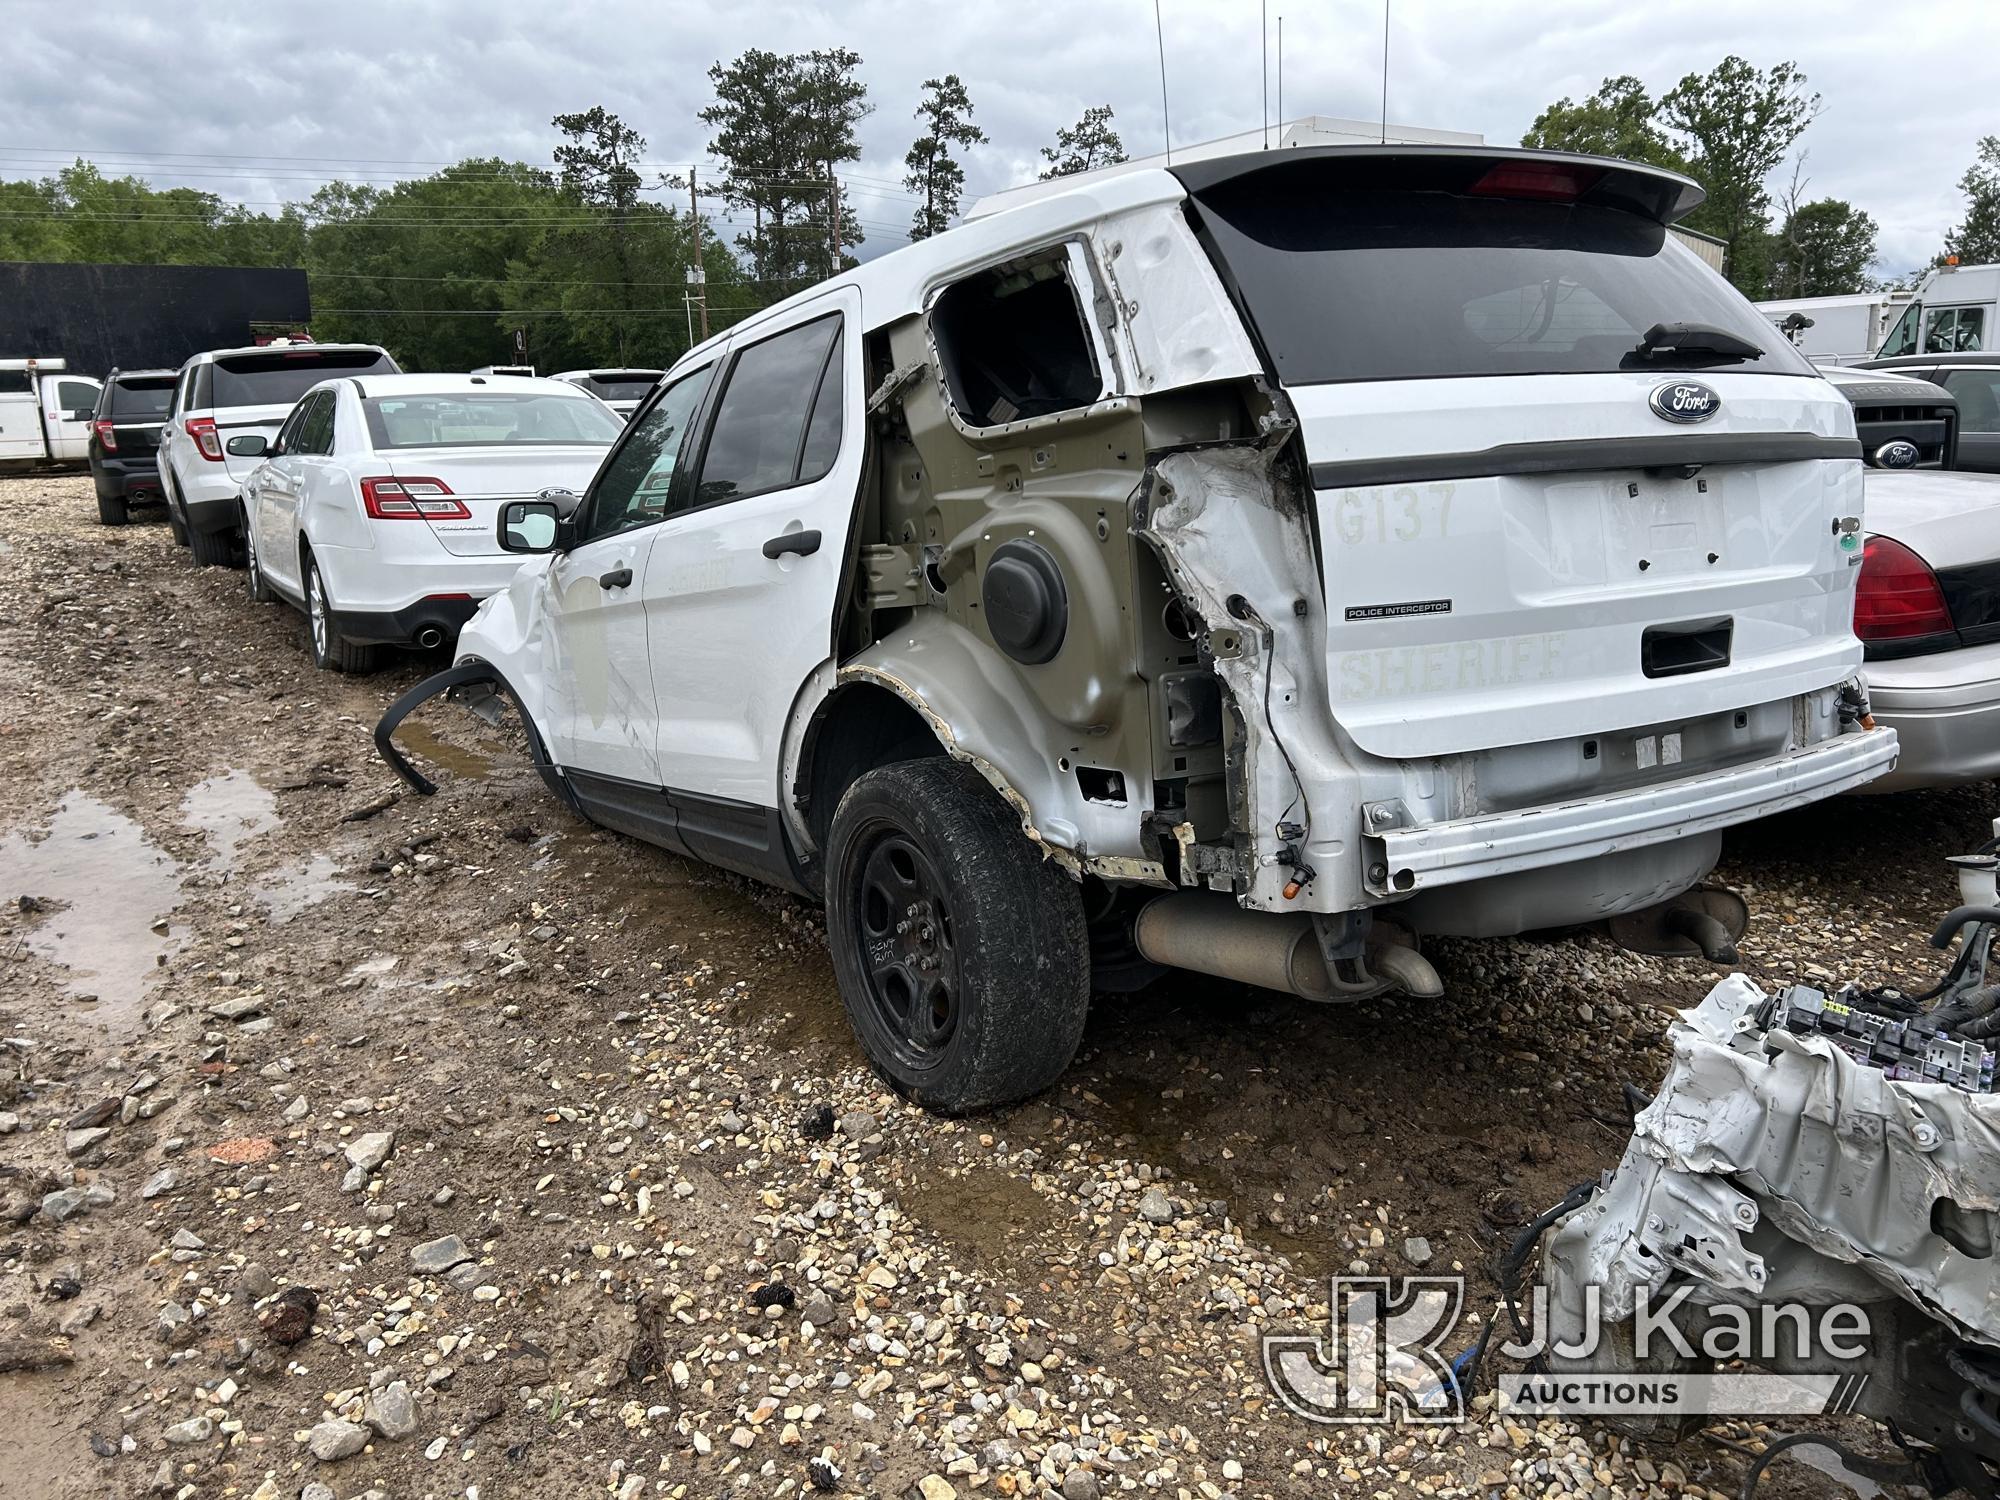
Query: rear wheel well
x=859, y=727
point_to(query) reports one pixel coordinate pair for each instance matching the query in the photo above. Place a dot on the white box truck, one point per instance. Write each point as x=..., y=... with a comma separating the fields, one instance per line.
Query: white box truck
x=45, y=413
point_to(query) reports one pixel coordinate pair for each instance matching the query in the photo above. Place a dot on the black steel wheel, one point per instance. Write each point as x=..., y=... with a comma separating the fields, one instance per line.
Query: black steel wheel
x=962, y=953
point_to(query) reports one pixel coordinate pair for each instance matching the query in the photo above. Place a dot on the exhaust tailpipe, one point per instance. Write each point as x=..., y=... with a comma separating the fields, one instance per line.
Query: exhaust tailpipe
x=1275, y=951
x=431, y=637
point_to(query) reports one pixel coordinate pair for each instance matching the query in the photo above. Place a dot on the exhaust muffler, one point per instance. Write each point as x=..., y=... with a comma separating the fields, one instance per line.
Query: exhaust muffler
x=431, y=637
x=1273, y=950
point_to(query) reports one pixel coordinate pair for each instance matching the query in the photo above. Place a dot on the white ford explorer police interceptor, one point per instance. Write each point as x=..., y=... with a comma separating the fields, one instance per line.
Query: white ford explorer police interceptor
x=1243, y=567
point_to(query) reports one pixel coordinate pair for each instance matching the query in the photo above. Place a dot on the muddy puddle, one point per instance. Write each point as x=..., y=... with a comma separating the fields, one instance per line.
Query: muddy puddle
x=229, y=810
x=105, y=889
x=284, y=894
x=994, y=1216
x=468, y=764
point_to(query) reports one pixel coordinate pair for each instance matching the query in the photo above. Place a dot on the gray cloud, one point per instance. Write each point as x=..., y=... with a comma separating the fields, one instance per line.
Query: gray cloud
x=381, y=85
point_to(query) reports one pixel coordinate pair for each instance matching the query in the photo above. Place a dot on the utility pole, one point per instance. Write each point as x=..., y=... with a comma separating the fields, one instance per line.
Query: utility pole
x=833, y=215
x=696, y=273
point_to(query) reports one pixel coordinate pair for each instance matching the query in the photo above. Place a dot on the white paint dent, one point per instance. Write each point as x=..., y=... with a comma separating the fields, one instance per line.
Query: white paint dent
x=1176, y=326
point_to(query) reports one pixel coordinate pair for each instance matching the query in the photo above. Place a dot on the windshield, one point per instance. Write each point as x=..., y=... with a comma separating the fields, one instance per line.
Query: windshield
x=479, y=419
x=142, y=398
x=620, y=386
x=280, y=377
x=1364, y=282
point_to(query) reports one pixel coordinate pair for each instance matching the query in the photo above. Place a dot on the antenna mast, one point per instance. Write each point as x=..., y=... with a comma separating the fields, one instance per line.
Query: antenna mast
x=1264, y=37
x=1385, y=72
x=1166, y=116
x=1281, y=79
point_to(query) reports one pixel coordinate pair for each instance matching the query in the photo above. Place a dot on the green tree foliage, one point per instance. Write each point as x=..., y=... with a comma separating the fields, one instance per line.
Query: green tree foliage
x=1727, y=128
x=1618, y=120
x=1090, y=142
x=1824, y=250
x=784, y=124
x=442, y=269
x=1975, y=240
x=933, y=172
x=1739, y=122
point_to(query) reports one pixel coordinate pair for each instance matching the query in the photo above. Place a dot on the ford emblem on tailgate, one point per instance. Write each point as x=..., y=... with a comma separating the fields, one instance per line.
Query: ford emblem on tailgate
x=1685, y=401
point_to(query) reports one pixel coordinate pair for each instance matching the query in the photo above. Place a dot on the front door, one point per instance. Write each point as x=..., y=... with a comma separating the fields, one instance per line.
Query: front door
x=742, y=585
x=602, y=716
x=69, y=402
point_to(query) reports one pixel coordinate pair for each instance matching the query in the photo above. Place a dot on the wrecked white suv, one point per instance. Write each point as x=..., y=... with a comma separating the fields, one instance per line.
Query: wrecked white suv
x=1197, y=568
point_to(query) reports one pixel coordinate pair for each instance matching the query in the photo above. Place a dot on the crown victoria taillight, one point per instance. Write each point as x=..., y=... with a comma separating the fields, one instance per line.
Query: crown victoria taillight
x=1897, y=597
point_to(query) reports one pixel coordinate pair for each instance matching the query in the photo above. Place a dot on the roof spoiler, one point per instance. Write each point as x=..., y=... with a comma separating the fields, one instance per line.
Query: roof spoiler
x=1603, y=181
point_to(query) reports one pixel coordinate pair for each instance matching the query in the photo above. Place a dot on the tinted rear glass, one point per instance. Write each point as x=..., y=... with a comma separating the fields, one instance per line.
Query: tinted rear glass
x=619, y=387
x=282, y=376
x=142, y=398
x=487, y=419
x=1348, y=278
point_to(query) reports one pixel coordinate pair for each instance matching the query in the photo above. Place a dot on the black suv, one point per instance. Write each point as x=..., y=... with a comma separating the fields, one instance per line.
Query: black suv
x=125, y=441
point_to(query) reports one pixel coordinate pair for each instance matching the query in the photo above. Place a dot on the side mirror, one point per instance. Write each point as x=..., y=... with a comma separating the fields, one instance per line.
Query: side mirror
x=83, y=414
x=565, y=501
x=250, y=445
x=530, y=526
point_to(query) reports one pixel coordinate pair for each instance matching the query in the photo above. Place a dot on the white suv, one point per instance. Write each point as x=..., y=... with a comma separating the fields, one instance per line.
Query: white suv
x=221, y=394
x=1242, y=567
x=621, y=390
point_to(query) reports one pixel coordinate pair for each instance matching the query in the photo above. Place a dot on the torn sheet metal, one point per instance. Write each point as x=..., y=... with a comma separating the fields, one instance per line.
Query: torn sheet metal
x=1891, y=1177
x=1764, y=1125
x=1233, y=538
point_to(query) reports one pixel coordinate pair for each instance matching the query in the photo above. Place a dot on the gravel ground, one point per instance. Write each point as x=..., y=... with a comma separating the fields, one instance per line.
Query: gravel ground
x=454, y=1148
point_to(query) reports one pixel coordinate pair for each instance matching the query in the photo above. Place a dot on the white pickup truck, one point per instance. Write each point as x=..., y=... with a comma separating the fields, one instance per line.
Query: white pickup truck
x=45, y=413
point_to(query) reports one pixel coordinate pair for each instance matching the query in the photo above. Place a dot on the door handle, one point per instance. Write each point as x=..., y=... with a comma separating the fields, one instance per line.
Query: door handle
x=617, y=578
x=805, y=543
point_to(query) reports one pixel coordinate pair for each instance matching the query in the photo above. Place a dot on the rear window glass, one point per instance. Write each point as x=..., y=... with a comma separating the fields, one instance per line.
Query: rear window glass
x=620, y=387
x=482, y=419
x=1347, y=278
x=280, y=377
x=146, y=397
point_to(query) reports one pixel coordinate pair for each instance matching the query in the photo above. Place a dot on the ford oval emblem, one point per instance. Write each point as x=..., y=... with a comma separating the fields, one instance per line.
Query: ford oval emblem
x=1685, y=401
x=1899, y=453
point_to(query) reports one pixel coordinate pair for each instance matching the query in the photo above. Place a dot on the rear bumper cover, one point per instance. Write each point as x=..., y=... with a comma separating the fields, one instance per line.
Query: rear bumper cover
x=1464, y=849
x=126, y=478
x=401, y=627
x=1945, y=710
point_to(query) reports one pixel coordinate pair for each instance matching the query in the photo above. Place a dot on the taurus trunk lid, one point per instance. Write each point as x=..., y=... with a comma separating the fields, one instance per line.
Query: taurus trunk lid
x=482, y=477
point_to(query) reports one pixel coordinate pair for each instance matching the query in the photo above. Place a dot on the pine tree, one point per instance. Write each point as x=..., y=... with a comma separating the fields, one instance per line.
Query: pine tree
x=934, y=173
x=1090, y=142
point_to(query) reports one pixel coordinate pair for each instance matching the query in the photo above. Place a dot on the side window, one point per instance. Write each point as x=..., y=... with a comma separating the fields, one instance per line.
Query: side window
x=638, y=480
x=1012, y=342
x=822, y=444
x=316, y=425
x=76, y=395
x=1955, y=330
x=201, y=394
x=760, y=421
x=182, y=389
x=1978, y=393
x=1902, y=338
x=287, y=440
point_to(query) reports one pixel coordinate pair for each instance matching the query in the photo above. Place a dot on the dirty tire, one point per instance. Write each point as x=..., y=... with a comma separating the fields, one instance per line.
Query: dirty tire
x=175, y=523
x=212, y=549
x=112, y=510
x=260, y=591
x=331, y=651
x=980, y=1000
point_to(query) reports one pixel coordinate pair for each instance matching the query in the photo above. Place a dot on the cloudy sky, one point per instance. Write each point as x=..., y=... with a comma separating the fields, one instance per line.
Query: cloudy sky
x=261, y=102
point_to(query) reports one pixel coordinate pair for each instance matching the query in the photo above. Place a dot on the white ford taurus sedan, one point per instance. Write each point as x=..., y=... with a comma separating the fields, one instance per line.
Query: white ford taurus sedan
x=1927, y=607
x=374, y=509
